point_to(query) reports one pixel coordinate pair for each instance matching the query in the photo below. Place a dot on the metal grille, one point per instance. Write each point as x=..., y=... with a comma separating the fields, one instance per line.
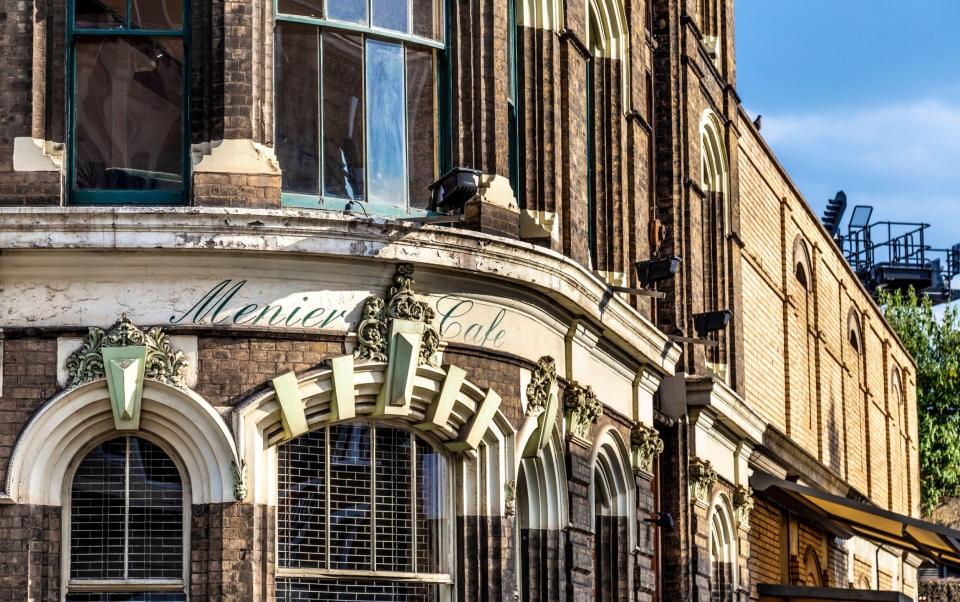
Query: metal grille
x=303, y=500
x=394, y=518
x=350, y=493
x=304, y=590
x=128, y=597
x=360, y=497
x=126, y=518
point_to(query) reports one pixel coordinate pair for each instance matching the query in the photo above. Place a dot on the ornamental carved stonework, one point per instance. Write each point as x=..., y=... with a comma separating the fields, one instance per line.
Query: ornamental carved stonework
x=239, y=480
x=646, y=444
x=583, y=409
x=162, y=364
x=702, y=478
x=401, y=304
x=743, y=505
x=541, y=383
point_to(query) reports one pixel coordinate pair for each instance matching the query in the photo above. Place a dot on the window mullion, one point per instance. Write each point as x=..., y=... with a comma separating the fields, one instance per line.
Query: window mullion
x=126, y=509
x=373, y=497
x=413, y=501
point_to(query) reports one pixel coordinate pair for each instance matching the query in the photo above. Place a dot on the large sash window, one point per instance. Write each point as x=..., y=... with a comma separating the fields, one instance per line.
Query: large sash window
x=362, y=512
x=356, y=102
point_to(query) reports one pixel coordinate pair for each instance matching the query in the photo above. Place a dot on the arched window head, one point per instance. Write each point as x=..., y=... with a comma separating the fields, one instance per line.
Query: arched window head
x=812, y=573
x=607, y=29
x=854, y=335
x=358, y=498
x=611, y=494
x=802, y=265
x=723, y=551
x=714, y=173
x=126, y=522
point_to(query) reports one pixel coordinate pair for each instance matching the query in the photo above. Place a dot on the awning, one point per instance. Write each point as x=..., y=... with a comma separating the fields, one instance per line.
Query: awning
x=844, y=517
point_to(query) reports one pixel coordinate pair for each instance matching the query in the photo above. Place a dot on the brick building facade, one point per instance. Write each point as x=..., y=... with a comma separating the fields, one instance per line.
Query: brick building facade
x=232, y=367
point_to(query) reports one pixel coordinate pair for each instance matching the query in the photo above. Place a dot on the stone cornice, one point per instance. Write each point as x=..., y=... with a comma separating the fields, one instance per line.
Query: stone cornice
x=329, y=234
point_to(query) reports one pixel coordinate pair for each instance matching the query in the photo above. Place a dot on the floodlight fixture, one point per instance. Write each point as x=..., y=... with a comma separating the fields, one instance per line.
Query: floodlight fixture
x=454, y=188
x=657, y=269
x=711, y=321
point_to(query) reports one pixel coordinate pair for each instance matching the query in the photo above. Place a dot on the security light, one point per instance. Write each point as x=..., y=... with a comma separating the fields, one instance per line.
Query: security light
x=454, y=188
x=656, y=270
x=711, y=321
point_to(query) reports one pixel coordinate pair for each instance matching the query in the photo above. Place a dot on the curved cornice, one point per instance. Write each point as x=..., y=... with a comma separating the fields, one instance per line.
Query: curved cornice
x=328, y=234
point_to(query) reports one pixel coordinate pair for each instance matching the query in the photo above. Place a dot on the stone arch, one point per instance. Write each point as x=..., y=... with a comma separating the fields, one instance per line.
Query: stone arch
x=723, y=548
x=541, y=14
x=802, y=263
x=715, y=172
x=67, y=424
x=258, y=422
x=854, y=331
x=812, y=573
x=611, y=31
x=610, y=459
x=543, y=482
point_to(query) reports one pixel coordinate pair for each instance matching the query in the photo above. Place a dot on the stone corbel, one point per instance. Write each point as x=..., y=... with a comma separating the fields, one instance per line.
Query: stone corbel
x=743, y=505
x=583, y=409
x=645, y=446
x=702, y=479
x=541, y=404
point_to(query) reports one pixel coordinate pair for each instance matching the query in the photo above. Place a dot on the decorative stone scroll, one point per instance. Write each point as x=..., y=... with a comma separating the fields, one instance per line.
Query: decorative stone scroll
x=646, y=445
x=702, y=478
x=378, y=315
x=743, y=505
x=583, y=409
x=162, y=362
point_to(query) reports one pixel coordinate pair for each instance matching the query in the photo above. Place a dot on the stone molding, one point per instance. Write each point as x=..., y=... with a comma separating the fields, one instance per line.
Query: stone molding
x=743, y=504
x=583, y=409
x=541, y=385
x=702, y=478
x=646, y=445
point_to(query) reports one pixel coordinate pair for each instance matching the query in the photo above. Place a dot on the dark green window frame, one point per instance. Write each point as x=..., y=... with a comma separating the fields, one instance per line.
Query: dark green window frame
x=115, y=196
x=443, y=82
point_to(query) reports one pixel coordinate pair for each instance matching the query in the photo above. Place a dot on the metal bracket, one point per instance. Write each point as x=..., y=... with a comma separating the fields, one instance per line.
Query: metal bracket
x=639, y=292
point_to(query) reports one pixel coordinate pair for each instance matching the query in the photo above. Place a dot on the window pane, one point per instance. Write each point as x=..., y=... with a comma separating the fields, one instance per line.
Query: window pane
x=394, y=518
x=156, y=14
x=100, y=14
x=297, y=105
x=302, y=498
x=391, y=14
x=421, y=125
x=306, y=8
x=306, y=590
x=156, y=514
x=386, y=123
x=352, y=11
x=128, y=597
x=128, y=113
x=97, y=513
x=350, y=536
x=343, y=116
x=426, y=21
x=431, y=496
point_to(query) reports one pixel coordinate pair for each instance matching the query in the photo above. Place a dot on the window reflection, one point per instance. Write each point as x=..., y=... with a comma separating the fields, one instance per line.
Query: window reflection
x=352, y=11
x=128, y=113
x=386, y=123
x=390, y=14
x=343, y=172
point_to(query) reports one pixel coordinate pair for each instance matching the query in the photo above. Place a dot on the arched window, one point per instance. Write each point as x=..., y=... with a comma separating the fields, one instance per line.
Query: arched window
x=128, y=139
x=357, y=102
x=806, y=331
x=812, y=573
x=723, y=552
x=903, y=442
x=126, y=524
x=363, y=511
x=714, y=183
x=858, y=412
x=612, y=535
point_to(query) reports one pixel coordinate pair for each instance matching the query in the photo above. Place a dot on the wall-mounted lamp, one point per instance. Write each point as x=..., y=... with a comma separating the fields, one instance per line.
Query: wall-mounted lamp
x=664, y=520
x=711, y=321
x=454, y=188
x=654, y=270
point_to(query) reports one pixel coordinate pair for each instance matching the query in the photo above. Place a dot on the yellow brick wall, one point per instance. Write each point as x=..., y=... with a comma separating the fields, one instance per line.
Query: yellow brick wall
x=801, y=373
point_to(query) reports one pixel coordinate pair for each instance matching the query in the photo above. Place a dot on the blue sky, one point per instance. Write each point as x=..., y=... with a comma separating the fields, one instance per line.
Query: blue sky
x=860, y=95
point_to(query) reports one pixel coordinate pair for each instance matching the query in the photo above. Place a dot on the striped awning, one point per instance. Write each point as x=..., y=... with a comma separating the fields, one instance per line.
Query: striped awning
x=845, y=518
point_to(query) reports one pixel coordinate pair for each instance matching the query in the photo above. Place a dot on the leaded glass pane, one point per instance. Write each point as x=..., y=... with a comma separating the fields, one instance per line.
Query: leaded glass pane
x=343, y=107
x=302, y=499
x=391, y=14
x=298, y=111
x=127, y=597
x=431, y=496
x=97, y=509
x=155, y=540
x=350, y=496
x=128, y=113
x=156, y=14
x=394, y=518
x=386, y=122
x=303, y=590
x=421, y=125
x=99, y=14
x=351, y=11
